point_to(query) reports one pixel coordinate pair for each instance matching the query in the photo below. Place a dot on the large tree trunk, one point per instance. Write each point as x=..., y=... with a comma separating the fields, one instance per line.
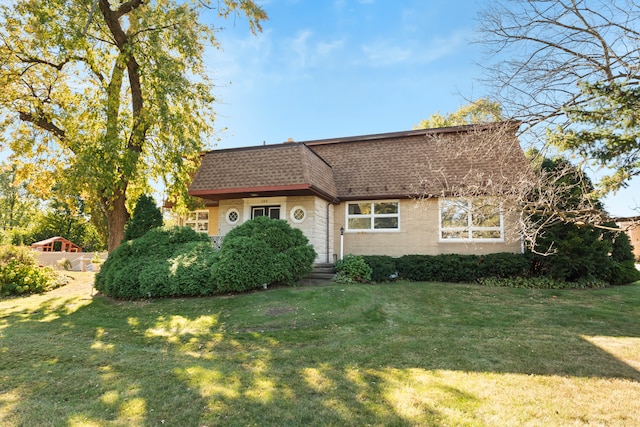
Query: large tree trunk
x=117, y=217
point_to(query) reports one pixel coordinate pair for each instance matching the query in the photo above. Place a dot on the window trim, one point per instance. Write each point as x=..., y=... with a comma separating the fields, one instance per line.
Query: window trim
x=470, y=228
x=373, y=216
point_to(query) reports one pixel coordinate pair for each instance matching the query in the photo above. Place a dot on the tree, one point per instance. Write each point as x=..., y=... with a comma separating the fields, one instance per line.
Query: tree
x=65, y=218
x=146, y=216
x=17, y=205
x=573, y=63
x=609, y=131
x=573, y=250
x=105, y=95
x=480, y=111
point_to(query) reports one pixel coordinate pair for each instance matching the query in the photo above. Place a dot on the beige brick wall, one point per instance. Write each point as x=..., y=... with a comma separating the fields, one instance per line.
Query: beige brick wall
x=418, y=234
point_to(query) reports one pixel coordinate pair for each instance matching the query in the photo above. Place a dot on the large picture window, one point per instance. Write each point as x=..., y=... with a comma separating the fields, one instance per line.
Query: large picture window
x=476, y=219
x=373, y=216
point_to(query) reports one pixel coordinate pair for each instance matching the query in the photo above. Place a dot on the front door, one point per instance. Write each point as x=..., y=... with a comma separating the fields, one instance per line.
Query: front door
x=272, y=212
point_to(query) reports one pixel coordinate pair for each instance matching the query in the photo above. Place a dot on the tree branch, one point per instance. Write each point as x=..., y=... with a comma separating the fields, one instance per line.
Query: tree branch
x=43, y=123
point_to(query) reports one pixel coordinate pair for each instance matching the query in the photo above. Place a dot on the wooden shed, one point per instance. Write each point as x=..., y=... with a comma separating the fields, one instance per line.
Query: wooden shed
x=56, y=244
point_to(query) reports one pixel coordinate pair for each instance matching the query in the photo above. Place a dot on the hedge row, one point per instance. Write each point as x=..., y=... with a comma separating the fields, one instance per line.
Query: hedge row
x=496, y=267
x=447, y=267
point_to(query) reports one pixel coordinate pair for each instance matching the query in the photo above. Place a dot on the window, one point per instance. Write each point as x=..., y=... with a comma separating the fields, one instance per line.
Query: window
x=272, y=212
x=232, y=216
x=478, y=219
x=298, y=214
x=198, y=220
x=373, y=216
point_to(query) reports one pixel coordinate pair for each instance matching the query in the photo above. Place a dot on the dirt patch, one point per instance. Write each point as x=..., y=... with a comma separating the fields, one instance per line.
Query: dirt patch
x=278, y=311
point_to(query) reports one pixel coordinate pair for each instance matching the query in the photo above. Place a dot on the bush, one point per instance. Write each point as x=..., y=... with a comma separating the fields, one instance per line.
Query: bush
x=262, y=251
x=20, y=273
x=352, y=269
x=383, y=267
x=146, y=216
x=439, y=268
x=65, y=264
x=165, y=262
x=461, y=268
x=503, y=265
x=542, y=282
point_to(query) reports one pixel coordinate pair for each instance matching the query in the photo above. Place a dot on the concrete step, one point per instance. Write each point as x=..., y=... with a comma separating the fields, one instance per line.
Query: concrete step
x=322, y=274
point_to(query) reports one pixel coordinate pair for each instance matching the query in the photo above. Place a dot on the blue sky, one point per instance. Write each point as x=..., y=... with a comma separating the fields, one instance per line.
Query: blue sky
x=332, y=68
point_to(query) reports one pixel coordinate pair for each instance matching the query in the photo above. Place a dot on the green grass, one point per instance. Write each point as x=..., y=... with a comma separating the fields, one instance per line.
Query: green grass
x=394, y=354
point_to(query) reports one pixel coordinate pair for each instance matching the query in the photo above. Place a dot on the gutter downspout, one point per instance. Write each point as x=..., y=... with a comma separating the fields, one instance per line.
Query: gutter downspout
x=328, y=232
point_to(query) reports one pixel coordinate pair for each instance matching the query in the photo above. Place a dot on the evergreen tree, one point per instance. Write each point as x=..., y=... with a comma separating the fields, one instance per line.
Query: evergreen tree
x=146, y=216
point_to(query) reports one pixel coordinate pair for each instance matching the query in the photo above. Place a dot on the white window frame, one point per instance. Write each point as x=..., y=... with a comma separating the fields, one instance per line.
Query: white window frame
x=372, y=217
x=197, y=221
x=470, y=228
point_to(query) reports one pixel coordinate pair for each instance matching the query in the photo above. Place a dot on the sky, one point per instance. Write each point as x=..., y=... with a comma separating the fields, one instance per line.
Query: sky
x=337, y=68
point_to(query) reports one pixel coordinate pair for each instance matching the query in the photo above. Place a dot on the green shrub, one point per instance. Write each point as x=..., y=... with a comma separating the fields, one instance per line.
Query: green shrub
x=146, y=216
x=244, y=263
x=439, y=268
x=262, y=251
x=166, y=261
x=623, y=273
x=461, y=268
x=383, y=267
x=20, y=273
x=503, y=265
x=65, y=264
x=352, y=269
x=542, y=282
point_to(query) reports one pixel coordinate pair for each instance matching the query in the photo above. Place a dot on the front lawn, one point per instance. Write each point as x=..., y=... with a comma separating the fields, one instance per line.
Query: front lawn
x=393, y=354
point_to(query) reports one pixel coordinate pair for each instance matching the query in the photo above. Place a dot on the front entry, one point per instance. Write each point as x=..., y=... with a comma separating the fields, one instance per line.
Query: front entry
x=272, y=212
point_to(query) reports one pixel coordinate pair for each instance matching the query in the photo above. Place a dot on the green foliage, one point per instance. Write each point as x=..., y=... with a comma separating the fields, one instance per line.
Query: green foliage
x=146, y=216
x=440, y=268
x=383, y=267
x=542, y=282
x=64, y=263
x=352, y=269
x=165, y=262
x=244, y=263
x=480, y=111
x=263, y=251
x=20, y=273
x=17, y=204
x=569, y=251
x=503, y=265
x=66, y=218
x=608, y=130
x=142, y=110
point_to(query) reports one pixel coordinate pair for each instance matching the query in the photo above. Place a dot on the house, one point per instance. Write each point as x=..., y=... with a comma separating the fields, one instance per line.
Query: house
x=413, y=192
x=631, y=226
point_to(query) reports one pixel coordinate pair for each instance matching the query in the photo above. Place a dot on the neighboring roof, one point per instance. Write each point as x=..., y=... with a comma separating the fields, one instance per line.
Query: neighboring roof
x=391, y=165
x=283, y=169
x=48, y=243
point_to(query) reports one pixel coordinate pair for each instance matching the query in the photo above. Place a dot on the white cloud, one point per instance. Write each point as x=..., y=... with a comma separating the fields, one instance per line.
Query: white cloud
x=384, y=52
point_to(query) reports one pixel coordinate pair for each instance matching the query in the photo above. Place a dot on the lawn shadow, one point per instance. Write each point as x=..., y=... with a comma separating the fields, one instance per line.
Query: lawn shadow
x=267, y=359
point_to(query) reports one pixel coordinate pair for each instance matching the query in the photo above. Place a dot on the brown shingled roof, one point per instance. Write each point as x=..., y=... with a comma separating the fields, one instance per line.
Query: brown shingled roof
x=393, y=165
x=284, y=169
x=431, y=162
